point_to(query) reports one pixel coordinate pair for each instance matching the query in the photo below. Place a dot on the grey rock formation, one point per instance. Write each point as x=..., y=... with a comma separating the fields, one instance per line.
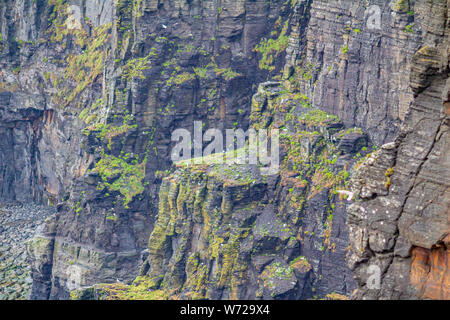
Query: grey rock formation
x=401, y=226
x=18, y=224
x=90, y=92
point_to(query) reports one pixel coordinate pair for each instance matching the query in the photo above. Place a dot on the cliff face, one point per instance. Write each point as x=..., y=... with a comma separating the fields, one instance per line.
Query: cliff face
x=402, y=226
x=111, y=94
x=355, y=57
x=90, y=92
x=233, y=232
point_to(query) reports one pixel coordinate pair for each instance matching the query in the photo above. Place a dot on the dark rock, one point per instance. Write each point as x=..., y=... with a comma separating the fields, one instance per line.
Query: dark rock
x=352, y=143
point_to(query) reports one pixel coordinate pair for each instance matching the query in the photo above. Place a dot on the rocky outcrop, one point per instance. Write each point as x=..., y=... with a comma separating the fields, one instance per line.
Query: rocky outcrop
x=18, y=224
x=233, y=232
x=110, y=98
x=353, y=59
x=400, y=227
x=90, y=92
x=429, y=271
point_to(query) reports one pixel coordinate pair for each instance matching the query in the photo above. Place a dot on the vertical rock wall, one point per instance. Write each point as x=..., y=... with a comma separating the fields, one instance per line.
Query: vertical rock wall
x=401, y=225
x=90, y=92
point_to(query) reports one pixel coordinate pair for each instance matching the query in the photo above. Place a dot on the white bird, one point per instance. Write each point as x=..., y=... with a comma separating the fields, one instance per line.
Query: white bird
x=348, y=193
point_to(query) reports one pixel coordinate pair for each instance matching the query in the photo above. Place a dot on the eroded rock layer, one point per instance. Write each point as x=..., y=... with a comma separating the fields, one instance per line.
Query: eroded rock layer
x=401, y=226
x=90, y=92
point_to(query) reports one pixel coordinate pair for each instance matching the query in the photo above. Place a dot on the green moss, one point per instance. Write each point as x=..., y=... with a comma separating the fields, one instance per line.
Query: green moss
x=230, y=254
x=90, y=114
x=183, y=77
x=328, y=229
x=336, y=296
x=342, y=133
x=105, y=132
x=135, y=67
x=159, y=239
x=83, y=69
x=47, y=75
x=16, y=70
x=137, y=8
x=201, y=72
x=140, y=289
x=388, y=174
x=297, y=201
x=409, y=28
x=271, y=48
x=226, y=73
x=301, y=264
x=112, y=218
x=276, y=272
x=119, y=175
x=196, y=276
x=402, y=6
x=57, y=20
x=317, y=117
x=215, y=246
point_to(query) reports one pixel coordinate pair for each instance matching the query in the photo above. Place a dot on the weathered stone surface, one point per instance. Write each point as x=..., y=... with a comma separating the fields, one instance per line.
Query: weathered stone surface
x=18, y=224
x=51, y=122
x=429, y=272
x=357, y=71
x=87, y=108
x=402, y=226
x=352, y=142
